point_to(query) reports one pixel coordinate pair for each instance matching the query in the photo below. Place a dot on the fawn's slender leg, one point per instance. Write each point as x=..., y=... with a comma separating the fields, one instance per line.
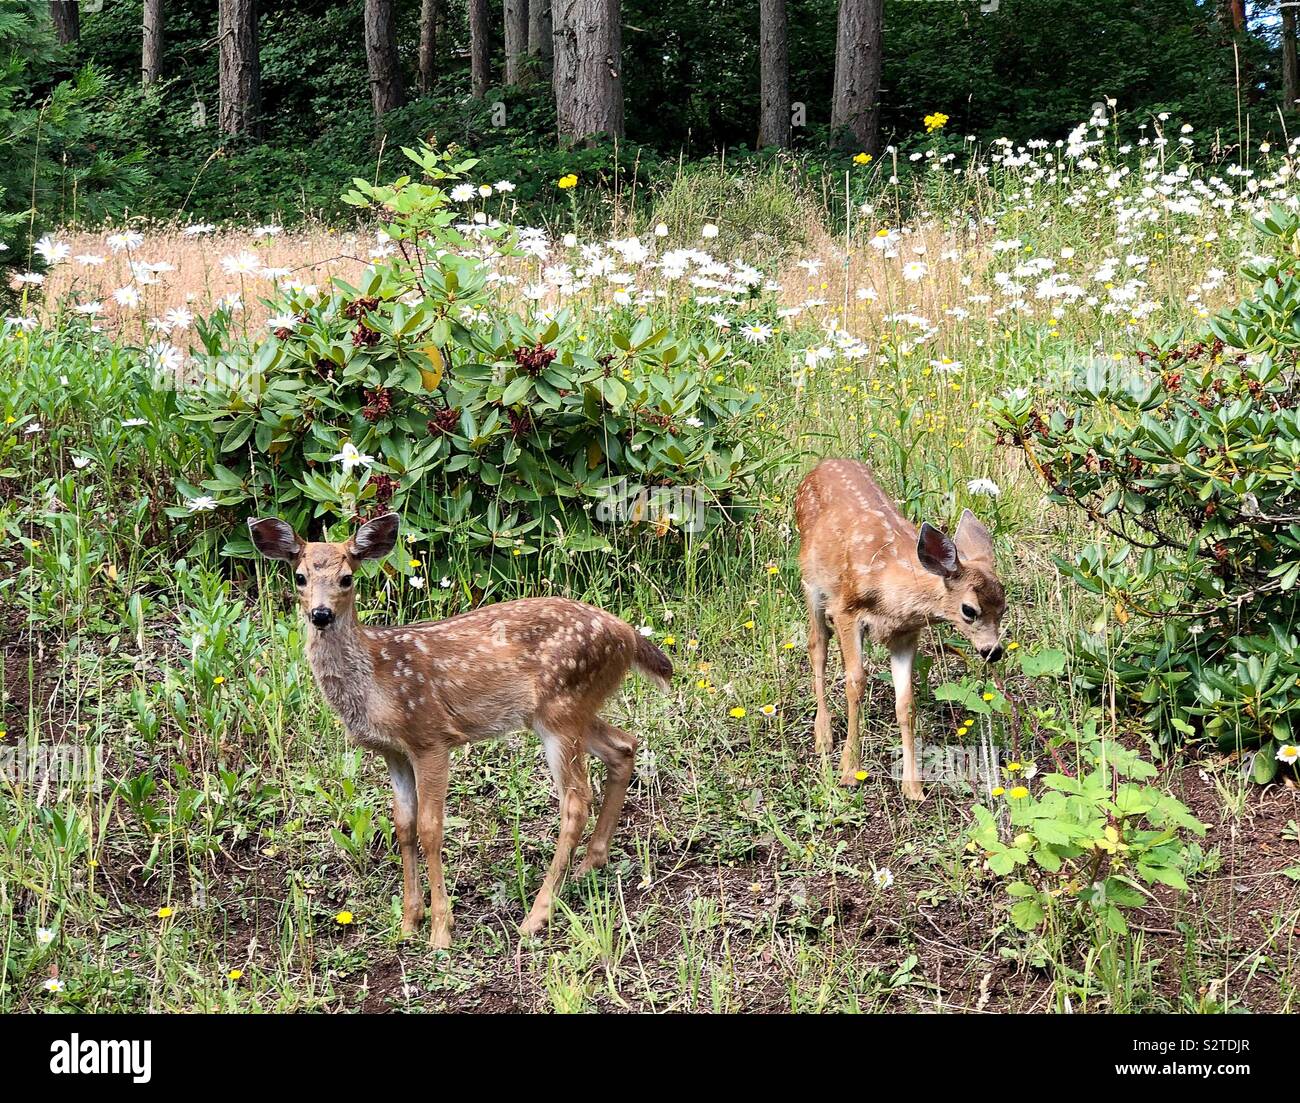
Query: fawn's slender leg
x=849, y=632
x=617, y=750
x=567, y=758
x=902, y=655
x=819, y=635
x=405, y=806
x=431, y=768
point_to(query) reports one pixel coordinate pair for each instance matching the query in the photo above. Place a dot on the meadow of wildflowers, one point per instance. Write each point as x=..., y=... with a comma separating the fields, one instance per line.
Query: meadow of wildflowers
x=230, y=851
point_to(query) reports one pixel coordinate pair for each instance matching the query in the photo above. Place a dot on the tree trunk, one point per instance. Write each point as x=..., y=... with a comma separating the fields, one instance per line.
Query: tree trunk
x=152, y=52
x=430, y=17
x=1290, y=61
x=67, y=20
x=774, y=74
x=516, y=21
x=1232, y=14
x=540, y=45
x=386, y=90
x=480, y=47
x=855, y=109
x=588, y=77
x=239, y=67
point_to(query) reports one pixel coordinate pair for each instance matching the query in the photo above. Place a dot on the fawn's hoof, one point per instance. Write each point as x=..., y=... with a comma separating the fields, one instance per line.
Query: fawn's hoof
x=912, y=790
x=533, y=925
x=440, y=937
x=590, y=863
x=850, y=779
x=411, y=921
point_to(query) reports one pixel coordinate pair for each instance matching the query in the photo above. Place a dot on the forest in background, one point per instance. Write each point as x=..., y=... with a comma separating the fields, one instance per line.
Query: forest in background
x=316, y=90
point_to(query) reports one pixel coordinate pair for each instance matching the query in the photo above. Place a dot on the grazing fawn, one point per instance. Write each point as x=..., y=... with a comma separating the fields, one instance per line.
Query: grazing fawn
x=866, y=568
x=414, y=692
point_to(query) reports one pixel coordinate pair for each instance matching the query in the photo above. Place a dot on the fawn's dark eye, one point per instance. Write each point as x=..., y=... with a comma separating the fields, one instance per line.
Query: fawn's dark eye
x=345, y=580
x=969, y=613
x=301, y=579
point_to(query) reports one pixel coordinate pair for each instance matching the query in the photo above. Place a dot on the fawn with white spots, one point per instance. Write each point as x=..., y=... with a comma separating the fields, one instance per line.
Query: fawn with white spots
x=415, y=692
x=868, y=570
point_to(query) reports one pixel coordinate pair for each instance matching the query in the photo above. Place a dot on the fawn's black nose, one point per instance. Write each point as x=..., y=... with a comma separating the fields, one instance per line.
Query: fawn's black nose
x=322, y=617
x=991, y=654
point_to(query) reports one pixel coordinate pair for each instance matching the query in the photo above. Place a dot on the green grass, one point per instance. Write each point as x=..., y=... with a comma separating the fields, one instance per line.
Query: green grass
x=742, y=875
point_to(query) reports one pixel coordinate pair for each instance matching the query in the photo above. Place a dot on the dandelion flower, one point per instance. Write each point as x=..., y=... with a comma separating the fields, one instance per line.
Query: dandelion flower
x=343, y=919
x=1019, y=793
x=737, y=713
x=165, y=913
x=235, y=974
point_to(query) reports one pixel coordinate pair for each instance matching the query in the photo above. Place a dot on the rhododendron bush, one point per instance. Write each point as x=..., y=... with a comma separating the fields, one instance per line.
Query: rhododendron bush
x=1192, y=460
x=424, y=388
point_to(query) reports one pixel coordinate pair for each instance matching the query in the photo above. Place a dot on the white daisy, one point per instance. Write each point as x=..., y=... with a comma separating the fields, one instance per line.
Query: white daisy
x=350, y=457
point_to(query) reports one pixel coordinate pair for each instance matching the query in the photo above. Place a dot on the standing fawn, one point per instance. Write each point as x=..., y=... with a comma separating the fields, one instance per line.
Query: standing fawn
x=866, y=568
x=414, y=692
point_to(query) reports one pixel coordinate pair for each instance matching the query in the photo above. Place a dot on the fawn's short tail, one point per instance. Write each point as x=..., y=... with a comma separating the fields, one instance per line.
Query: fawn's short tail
x=652, y=663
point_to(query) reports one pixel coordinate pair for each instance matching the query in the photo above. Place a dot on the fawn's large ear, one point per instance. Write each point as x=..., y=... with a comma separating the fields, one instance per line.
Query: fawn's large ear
x=937, y=553
x=274, y=539
x=973, y=540
x=375, y=539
